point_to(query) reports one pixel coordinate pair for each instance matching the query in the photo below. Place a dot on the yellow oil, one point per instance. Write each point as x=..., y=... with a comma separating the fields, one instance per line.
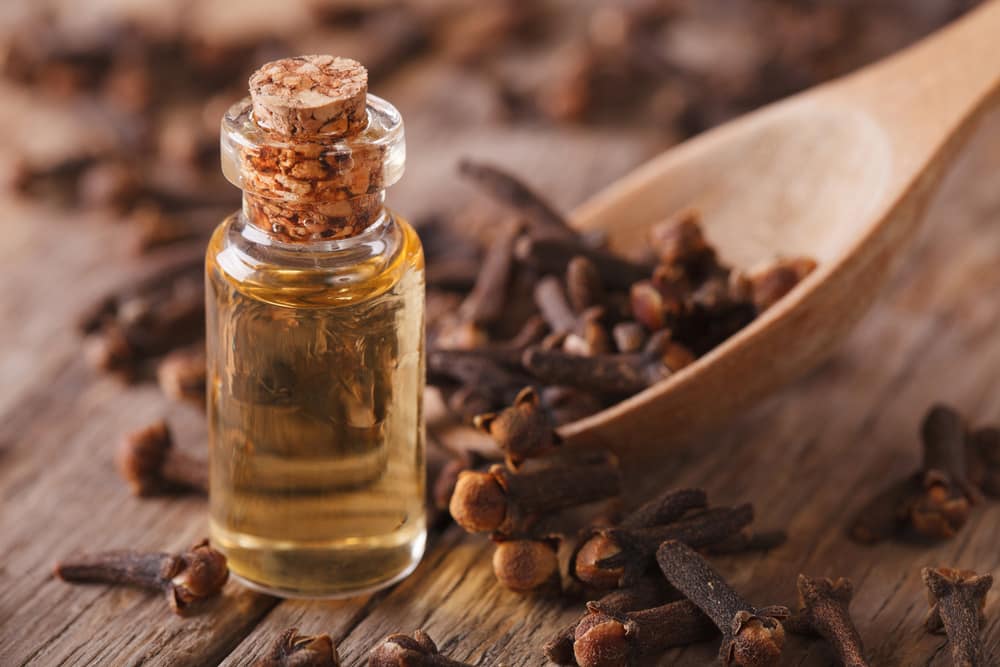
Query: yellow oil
x=316, y=370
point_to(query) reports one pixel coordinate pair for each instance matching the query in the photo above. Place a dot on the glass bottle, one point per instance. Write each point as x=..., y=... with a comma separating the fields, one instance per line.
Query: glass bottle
x=315, y=299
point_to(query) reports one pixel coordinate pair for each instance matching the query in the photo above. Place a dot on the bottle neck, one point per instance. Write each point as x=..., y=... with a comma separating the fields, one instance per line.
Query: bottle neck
x=291, y=221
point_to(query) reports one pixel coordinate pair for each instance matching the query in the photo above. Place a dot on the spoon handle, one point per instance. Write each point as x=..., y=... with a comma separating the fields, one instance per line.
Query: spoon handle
x=928, y=97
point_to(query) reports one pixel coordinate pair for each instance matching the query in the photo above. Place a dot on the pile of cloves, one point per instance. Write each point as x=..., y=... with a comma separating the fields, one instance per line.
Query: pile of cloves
x=960, y=465
x=517, y=502
x=590, y=326
x=640, y=614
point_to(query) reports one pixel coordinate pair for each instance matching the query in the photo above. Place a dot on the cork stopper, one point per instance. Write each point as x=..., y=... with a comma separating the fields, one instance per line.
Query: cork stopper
x=310, y=95
x=312, y=151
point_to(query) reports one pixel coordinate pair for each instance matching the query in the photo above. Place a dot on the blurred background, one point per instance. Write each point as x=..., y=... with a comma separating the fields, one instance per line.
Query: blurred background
x=111, y=107
x=110, y=111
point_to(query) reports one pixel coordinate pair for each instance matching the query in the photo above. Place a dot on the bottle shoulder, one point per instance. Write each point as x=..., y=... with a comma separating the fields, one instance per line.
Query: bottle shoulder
x=317, y=275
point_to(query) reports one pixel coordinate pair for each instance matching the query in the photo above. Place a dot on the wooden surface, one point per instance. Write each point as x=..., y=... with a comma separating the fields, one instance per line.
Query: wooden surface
x=807, y=457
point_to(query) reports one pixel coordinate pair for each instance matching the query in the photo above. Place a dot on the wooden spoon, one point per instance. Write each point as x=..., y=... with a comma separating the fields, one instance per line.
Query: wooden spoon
x=841, y=173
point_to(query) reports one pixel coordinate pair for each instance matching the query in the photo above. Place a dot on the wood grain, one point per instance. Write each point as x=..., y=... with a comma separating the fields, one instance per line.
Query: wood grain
x=808, y=457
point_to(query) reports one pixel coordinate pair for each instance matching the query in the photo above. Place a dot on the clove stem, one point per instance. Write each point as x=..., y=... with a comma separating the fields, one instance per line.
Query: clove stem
x=957, y=599
x=499, y=500
x=823, y=611
x=603, y=640
x=188, y=577
x=751, y=637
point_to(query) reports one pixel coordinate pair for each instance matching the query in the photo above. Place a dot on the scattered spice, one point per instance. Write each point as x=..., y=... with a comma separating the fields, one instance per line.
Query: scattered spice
x=934, y=502
x=823, y=611
x=186, y=578
x=499, y=499
x=526, y=564
x=149, y=463
x=646, y=592
x=164, y=311
x=511, y=191
x=613, y=556
x=751, y=637
x=415, y=650
x=522, y=431
x=957, y=599
x=605, y=640
x=485, y=303
x=292, y=649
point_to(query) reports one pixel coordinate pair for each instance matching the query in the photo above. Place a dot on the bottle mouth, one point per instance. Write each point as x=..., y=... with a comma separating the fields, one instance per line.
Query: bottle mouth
x=314, y=169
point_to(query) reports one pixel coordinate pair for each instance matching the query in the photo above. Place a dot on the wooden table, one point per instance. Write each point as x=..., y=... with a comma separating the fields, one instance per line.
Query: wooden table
x=807, y=457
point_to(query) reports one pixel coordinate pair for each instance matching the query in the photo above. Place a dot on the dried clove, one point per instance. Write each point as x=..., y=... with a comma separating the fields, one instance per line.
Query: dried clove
x=550, y=253
x=612, y=556
x=605, y=640
x=485, y=304
x=292, y=649
x=160, y=313
x=186, y=578
x=770, y=283
x=680, y=241
x=608, y=375
x=526, y=564
x=554, y=306
x=667, y=507
x=147, y=460
x=499, y=500
x=182, y=375
x=583, y=284
x=957, y=599
x=944, y=505
x=521, y=431
x=416, y=650
x=823, y=611
x=509, y=190
x=646, y=592
x=934, y=502
x=751, y=637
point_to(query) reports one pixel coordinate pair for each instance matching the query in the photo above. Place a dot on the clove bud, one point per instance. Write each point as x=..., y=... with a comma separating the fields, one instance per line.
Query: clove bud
x=526, y=564
x=823, y=611
x=498, y=500
x=294, y=650
x=523, y=430
x=605, y=640
x=186, y=578
x=751, y=637
x=613, y=556
x=148, y=462
x=646, y=592
x=958, y=598
x=416, y=650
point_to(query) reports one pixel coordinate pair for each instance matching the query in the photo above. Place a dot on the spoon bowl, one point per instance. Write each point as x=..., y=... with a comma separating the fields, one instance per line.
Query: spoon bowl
x=840, y=173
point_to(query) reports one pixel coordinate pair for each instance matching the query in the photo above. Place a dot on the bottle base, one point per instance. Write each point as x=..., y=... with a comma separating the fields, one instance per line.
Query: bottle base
x=306, y=573
x=306, y=595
